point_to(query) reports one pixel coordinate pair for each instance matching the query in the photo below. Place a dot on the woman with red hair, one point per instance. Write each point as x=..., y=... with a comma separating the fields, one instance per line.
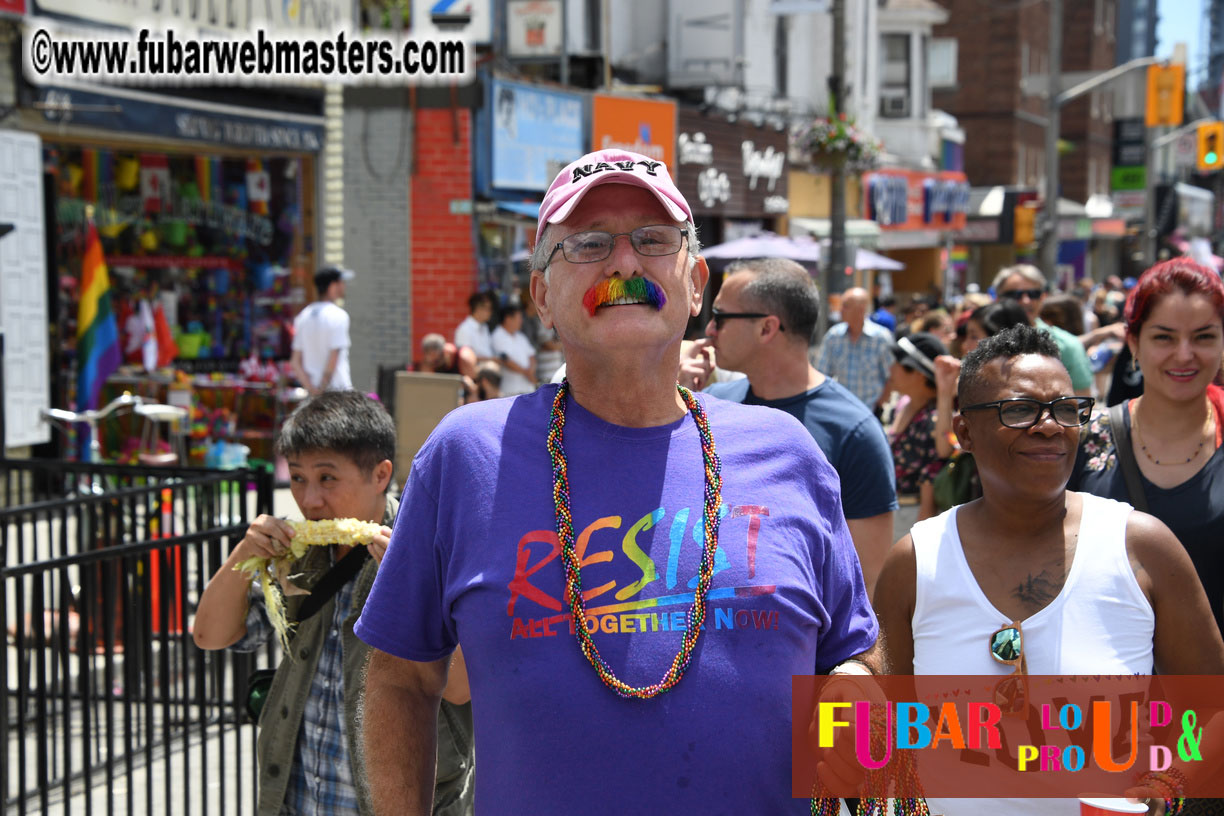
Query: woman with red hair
x=1165, y=456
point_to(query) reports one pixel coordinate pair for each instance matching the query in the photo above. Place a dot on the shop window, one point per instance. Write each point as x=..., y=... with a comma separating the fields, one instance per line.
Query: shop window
x=220, y=243
x=895, y=100
x=942, y=60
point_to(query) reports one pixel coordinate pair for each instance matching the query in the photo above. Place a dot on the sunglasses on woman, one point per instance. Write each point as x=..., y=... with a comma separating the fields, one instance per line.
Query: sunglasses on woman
x=1007, y=647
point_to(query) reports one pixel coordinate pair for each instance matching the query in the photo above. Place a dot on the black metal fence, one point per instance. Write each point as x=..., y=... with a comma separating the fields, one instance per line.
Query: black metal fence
x=109, y=706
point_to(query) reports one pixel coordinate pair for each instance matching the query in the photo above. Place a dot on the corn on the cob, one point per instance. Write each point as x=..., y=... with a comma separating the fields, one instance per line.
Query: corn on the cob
x=273, y=573
x=316, y=533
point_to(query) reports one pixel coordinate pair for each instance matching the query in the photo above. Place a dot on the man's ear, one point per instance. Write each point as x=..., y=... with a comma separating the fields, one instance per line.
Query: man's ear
x=382, y=474
x=539, y=293
x=960, y=427
x=700, y=275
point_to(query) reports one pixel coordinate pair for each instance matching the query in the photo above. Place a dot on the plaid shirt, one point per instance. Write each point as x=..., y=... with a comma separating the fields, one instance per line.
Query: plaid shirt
x=321, y=780
x=860, y=365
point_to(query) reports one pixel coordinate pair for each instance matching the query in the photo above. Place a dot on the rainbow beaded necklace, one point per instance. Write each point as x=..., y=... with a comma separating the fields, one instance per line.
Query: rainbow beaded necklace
x=569, y=559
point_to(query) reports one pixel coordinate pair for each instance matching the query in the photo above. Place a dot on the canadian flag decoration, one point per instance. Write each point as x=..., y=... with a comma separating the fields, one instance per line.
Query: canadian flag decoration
x=259, y=187
x=154, y=182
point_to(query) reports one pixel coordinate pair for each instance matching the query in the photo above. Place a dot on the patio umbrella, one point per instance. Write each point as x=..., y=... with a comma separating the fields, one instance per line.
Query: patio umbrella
x=766, y=245
x=866, y=259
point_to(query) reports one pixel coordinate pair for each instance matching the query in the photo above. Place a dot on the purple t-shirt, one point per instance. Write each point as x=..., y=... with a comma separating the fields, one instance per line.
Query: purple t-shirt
x=474, y=560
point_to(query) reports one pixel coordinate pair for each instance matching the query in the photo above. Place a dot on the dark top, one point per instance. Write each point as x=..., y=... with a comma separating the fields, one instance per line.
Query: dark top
x=1127, y=381
x=851, y=437
x=914, y=452
x=1193, y=510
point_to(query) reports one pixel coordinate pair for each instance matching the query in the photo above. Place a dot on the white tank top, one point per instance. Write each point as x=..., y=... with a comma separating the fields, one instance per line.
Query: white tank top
x=1099, y=623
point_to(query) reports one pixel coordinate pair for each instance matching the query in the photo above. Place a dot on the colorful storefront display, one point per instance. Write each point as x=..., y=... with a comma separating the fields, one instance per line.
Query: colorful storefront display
x=918, y=213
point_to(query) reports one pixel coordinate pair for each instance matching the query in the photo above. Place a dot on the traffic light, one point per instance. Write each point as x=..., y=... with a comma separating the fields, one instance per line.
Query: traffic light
x=1166, y=91
x=1025, y=232
x=1210, y=146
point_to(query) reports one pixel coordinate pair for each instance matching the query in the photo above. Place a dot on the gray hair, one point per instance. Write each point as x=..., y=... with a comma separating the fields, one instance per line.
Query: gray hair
x=433, y=342
x=1027, y=271
x=784, y=288
x=542, y=254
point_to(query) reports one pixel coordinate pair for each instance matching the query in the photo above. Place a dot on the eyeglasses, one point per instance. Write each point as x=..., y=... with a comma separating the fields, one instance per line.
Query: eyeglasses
x=1069, y=412
x=720, y=317
x=1021, y=294
x=589, y=247
x=1007, y=647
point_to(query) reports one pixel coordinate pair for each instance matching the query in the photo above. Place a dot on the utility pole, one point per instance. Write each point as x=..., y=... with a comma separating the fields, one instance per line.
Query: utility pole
x=1049, y=213
x=837, y=193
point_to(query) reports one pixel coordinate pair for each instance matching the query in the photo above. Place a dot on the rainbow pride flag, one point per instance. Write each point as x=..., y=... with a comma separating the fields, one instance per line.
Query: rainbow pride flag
x=97, y=333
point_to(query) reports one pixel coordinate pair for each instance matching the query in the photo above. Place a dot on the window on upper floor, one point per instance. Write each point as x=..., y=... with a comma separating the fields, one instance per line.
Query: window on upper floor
x=895, y=102
x=942, y=62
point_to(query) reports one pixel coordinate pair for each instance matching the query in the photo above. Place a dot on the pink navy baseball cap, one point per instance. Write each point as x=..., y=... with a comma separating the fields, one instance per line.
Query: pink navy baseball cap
x=609, y=167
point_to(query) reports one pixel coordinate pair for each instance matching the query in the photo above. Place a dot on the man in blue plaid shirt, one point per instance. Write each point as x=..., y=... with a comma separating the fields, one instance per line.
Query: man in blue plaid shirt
x=857, y=352
x=339, y=447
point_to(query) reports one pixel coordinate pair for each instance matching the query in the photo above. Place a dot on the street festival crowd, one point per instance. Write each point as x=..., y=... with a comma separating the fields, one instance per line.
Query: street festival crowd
x=602, y=586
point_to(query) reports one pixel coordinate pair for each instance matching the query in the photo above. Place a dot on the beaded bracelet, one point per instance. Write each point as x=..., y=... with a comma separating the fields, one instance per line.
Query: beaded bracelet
x=1171, y=785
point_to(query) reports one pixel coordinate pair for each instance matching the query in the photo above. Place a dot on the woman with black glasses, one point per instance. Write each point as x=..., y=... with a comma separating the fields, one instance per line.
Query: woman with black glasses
x=1033, y=577
x=1161, y=451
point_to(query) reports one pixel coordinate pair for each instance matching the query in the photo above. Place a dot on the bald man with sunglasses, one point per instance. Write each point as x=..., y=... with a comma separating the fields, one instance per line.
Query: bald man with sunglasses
x=1032, y=577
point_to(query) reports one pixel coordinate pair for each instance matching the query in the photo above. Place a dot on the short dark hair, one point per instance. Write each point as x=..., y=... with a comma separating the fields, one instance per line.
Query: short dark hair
x=510, y=309
x=1000, y=315
x=887, y=301
x=346, y=422
x=478, y=298
x=782, y=287
x=325, y=277
x=1014, y=342
x=1064, y=311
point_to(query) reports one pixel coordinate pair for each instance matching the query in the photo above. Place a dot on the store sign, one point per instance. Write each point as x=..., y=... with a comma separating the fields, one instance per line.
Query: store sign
x=979, y=231
x=140, y=112
x=732, y=169
x=909, y=200
x=1129, y=204
x=294, y=17
x=470, y=19
x=12, y=8
x=1128, y=178
x=536, y=132
x=23, y=292
x=646, y=126
x=533, y=28
x=1130, y=142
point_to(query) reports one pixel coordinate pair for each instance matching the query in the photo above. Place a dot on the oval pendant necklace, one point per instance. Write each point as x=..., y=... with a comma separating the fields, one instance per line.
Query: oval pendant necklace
x=569, y=559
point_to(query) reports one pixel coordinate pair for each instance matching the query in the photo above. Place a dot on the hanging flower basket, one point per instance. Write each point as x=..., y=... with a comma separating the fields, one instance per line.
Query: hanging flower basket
x=831, y=142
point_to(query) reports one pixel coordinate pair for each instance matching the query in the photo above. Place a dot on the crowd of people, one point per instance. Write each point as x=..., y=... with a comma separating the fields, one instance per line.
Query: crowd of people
x=511, y=358
x=603, y=586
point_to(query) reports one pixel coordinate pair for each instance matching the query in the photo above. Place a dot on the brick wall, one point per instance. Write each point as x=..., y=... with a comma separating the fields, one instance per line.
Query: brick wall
x=443, y=255
x=1089, y=128
x=377, y=232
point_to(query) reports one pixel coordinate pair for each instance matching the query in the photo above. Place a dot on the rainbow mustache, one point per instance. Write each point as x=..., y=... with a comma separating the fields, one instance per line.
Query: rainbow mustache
x=618, y=292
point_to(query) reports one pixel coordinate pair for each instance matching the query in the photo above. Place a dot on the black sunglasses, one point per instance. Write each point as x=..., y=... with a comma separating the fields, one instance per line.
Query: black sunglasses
x=1022, y=412
x=1020, y=294
x=719, y=317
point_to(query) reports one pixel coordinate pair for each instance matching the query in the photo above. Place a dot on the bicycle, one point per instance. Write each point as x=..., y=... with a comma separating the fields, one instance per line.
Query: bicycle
x=91, y=419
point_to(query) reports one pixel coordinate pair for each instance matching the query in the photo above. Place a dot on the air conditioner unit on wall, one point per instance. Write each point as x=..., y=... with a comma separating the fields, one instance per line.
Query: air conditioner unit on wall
x=894, y=103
